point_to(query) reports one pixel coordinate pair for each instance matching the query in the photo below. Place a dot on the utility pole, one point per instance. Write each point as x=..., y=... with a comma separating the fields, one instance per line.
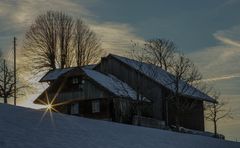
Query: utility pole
x=15, y=69
x=4, y=81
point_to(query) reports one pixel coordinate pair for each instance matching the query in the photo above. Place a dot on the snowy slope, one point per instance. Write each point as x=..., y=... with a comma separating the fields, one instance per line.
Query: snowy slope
x=21, y=128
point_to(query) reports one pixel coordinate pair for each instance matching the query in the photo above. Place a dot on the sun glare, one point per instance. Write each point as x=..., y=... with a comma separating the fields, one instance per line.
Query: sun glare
x=49, y=106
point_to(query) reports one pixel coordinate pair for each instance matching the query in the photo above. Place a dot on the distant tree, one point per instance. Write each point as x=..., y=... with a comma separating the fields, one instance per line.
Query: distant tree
x=87, y=45
x=217, y=111
x=7, y=82
x=53, y=40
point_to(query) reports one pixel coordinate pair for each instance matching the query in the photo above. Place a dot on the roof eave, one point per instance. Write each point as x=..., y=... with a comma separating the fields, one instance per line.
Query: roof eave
x=202, y=99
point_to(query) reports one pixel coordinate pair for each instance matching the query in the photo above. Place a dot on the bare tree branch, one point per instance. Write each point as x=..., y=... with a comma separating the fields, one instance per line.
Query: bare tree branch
x=55, y=40
x=87, y=45
x=217, y=111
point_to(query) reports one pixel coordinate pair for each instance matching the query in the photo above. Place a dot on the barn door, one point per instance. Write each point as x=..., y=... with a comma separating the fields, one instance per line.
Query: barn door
x=74, y=108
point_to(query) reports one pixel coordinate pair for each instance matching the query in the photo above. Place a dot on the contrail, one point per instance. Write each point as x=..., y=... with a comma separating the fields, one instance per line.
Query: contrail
x=221, y=78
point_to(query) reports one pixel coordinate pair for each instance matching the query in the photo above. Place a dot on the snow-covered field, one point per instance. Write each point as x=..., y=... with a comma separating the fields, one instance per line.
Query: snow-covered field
x=22, y=128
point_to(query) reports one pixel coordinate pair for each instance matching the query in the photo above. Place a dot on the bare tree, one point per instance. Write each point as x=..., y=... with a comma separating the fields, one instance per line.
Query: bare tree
x=142, y=65
x=217, y=111
x=87, y=46
x=7, y=83
x=160, y=52
x=183, y=75
x=40, y=46
x=65, y=33
x=53, y=39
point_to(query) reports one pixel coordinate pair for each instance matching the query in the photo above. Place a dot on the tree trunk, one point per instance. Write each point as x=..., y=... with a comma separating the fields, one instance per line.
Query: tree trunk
x=177, y=106
x=166, y=110
x=4, y=81
x=215, y=120
x=5, y=100
x=215, y=128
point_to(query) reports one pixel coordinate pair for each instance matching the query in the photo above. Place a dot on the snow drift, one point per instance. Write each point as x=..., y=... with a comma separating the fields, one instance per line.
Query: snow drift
x=23, y=128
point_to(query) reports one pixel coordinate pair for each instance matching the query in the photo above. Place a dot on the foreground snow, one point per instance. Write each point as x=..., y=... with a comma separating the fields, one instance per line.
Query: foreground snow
x=23, y=128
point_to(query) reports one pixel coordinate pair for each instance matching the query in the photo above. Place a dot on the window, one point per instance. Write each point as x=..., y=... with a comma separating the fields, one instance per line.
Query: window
x=80, y=86
x=83, y=81
x=75, y=80
x=75, y=108
x=95, y=106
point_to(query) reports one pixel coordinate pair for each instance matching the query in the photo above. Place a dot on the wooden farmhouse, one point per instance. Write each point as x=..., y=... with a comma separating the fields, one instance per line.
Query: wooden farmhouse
x=120, y=89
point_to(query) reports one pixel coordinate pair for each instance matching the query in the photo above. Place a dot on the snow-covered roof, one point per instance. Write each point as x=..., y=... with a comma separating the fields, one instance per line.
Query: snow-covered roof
x=27, y=128
x=164, y=78
x=111, y=83
x=55, y=74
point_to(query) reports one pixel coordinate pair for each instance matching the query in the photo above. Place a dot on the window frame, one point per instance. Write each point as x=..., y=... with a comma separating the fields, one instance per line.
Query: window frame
x=75, y=80
x=95, y=106
x=74, y=108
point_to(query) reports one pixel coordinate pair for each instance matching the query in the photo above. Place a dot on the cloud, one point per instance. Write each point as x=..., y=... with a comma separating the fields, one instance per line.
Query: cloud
x=227, y=40
x=116, y=37
x=229, y=3
x=229, y=37
x=220, y=67
x=24, y=11
x=17, y=16
x=221, y=61
x=218, y=61
x=221, y=78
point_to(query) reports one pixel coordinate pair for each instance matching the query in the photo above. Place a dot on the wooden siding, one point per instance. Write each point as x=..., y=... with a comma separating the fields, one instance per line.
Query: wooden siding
x=85, y=108
x=136, y=80
x=193, y=118
x=67, y=91
x=112, y=109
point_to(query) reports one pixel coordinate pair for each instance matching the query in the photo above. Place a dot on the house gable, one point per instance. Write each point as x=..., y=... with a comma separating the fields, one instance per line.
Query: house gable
x=64, y=89
x=96, y=85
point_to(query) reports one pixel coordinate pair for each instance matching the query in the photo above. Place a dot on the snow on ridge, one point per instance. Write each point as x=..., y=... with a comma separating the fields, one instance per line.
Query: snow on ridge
x=54, y=74
x=21, y=127
x=166, y=79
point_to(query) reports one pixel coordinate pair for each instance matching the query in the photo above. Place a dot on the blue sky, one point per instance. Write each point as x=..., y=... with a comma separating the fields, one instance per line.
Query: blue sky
x=207, y=31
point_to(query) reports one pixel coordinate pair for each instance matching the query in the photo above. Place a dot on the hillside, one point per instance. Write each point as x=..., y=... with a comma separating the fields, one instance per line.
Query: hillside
x=22, y=128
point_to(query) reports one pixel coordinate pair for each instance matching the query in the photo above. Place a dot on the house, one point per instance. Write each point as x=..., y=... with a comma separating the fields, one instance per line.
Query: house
x=155, y=83
x=86, y=92
x=118, y=87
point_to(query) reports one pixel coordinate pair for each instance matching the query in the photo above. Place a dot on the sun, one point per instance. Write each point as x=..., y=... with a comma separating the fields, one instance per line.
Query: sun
x=49, y=106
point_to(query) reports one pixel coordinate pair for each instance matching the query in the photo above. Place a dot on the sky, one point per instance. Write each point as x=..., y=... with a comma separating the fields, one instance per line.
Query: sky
x=207, y=31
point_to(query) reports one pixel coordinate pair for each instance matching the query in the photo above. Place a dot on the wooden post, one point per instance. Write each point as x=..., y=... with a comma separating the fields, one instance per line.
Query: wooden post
x=15, y=79
x=4, y=81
